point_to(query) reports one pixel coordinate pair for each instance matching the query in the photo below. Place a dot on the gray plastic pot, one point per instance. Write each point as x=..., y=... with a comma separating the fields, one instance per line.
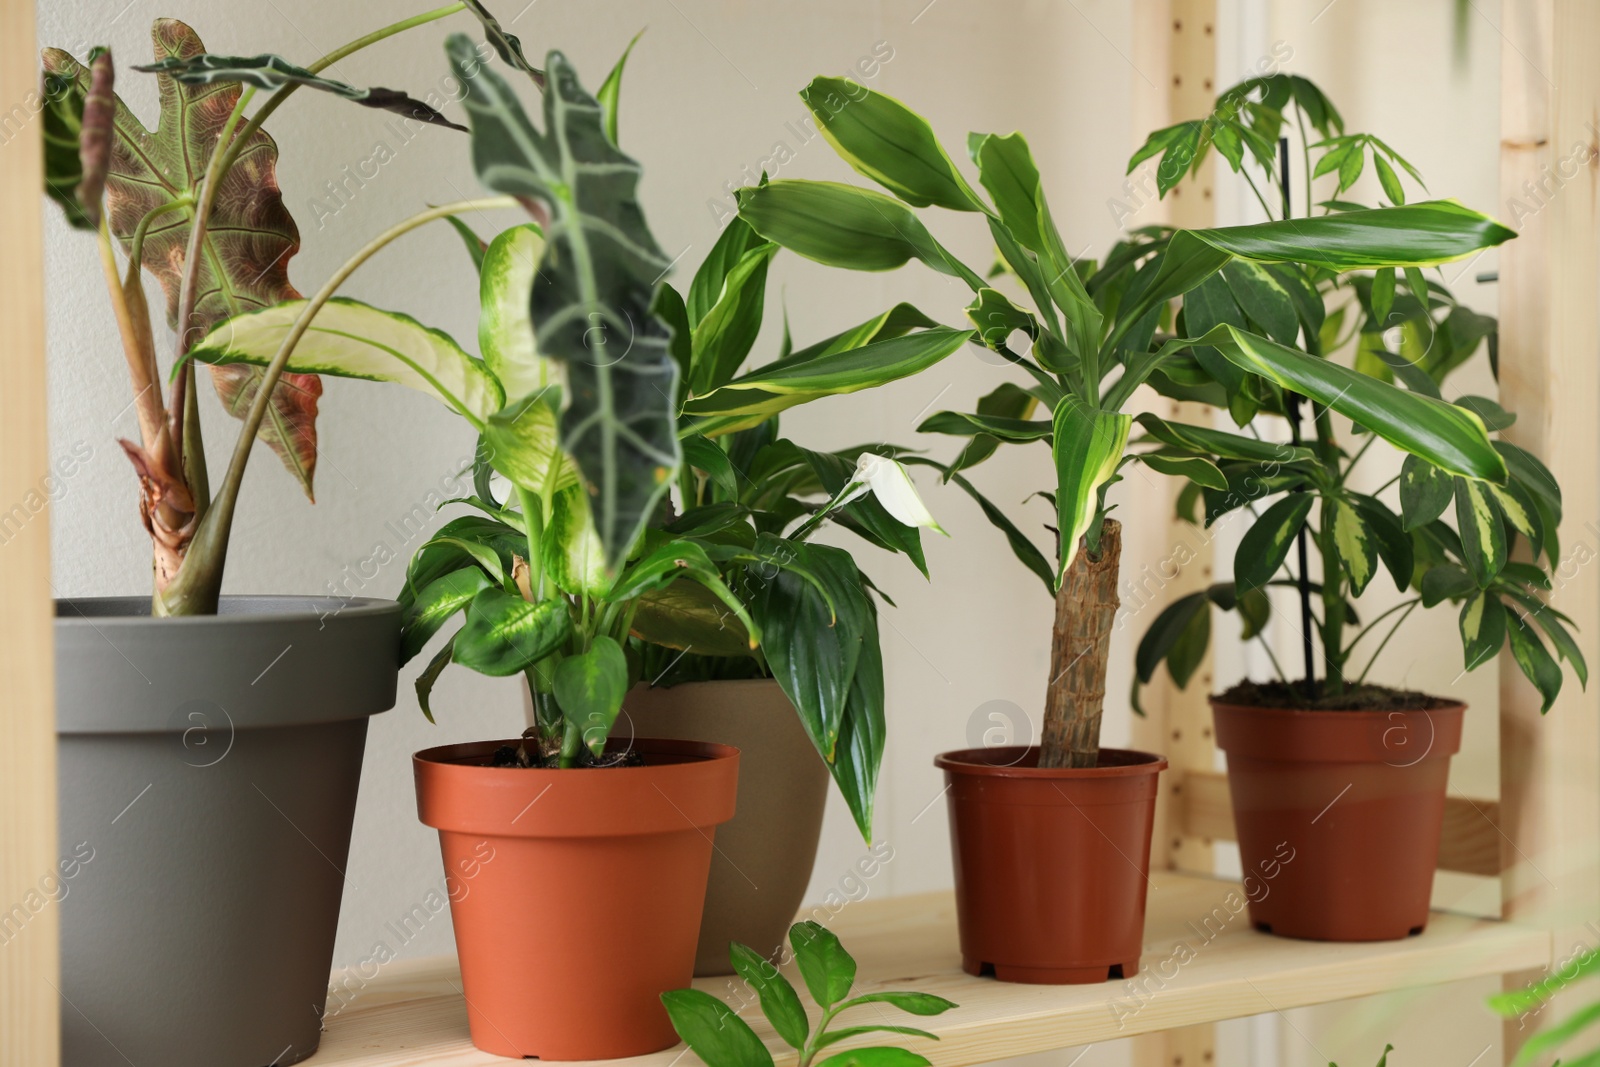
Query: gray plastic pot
x=208, y=774
x=765, y=854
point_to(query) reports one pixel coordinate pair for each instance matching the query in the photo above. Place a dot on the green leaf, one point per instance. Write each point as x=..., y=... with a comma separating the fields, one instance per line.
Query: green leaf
x=275, y=72
x=753, y=397
x=675, y=559
x=1164, y=633
x=1357, y=551
x=1265, y=299
x=434, y=605
x=1388, y=180
x=703, y=454
x=63, y=127
x=866, y=515
x=594, y=288
x=1024, y=549
x=506, y=45
x=1087, y=447
x=1197, y=469
x=430, y=675
x=828, y=970
x=1007, y=170
x=1566, y=647
x=1535, y=661
x=574, y=560
x=1481, y=525
x=476, y=246
x=779, y=1002
x=875, y=1057
x=1219, y=443
x=1444, y=582
x=1425, y=491
x=1394, y=544
x=350, y=339
x=503, y=634
x=962, y=424
x=686, y=615
x=887, y=142
x=522, y=439
x=1265, y=545
x=610, y=91
x=833, y=1037
x=1448, y=436
x=505, y=322
x=727, y=332
x=1415, y=235
x=590, y=687
x=1382, y=298
x=1483, y=629
x=843, y=226
x=713, y=1031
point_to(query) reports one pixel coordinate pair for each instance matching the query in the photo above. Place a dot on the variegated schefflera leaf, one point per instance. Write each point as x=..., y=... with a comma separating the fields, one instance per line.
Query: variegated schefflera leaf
x=249, y=241
x=593, y=294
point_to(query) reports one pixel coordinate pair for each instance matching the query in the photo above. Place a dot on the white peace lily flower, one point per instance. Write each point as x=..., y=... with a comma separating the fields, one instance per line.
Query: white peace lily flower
x=888, y=481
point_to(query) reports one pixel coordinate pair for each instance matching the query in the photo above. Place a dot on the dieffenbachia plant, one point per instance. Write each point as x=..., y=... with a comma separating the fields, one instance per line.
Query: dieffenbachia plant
x=215, y=233
x=1468, y=562
x=1088, y=344
x=717, y=1034
x=729, y=586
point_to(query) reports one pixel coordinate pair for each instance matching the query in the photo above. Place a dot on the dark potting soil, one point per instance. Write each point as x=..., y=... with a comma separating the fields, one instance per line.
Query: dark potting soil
x=1354, y=698
x=526, y=755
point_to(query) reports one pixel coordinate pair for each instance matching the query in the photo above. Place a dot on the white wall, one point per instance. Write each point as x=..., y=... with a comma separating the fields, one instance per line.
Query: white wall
x=709, y=92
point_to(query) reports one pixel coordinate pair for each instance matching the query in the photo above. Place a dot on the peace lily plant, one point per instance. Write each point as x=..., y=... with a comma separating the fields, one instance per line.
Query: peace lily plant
x=1095, y=333
x=599, y=389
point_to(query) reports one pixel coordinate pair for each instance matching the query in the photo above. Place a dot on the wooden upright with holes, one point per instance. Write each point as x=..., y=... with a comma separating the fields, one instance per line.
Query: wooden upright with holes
x=29, y=969
x=1175, y=46
x=1550, y=375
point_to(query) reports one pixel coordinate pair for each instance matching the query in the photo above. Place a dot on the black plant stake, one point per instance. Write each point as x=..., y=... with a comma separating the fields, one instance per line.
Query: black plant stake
x=1292, y=403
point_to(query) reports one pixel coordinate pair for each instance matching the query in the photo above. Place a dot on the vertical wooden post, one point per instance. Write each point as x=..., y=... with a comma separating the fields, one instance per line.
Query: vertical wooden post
x=1175, y=46
x=1550, y=376
x=29, y=967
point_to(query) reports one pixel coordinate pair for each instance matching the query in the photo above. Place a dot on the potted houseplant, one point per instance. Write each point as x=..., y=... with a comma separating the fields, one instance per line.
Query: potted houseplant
x=1052, y=844
x=210, y=746
x=1350, y=773
x=552, y=585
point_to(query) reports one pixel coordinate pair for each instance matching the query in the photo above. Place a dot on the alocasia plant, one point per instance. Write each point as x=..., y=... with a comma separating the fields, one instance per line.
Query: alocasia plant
x=196, y=203
x=1087, y=347
x=716, y=1033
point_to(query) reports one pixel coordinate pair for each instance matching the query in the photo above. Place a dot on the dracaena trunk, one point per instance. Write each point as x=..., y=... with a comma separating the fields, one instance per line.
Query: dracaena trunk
x=1080, y=646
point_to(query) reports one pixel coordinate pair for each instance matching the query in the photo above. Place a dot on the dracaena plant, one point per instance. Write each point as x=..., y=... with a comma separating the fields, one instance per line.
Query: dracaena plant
x=1084, y=348
x=591, y=372
x=717, y=1034
x=195, y=202
x=1309, y=493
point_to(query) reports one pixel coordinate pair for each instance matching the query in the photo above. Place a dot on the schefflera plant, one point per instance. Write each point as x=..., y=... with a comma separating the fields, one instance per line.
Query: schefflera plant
x=1086, y=349
x=195, y=202
x=546, y=585
x=1431, y=559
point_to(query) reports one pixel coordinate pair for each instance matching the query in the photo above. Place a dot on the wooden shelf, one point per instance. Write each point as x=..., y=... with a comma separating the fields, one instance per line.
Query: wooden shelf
x=1201, y=964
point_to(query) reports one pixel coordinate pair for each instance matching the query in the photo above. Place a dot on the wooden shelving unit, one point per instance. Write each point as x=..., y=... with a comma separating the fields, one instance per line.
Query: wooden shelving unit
x=1202, y=963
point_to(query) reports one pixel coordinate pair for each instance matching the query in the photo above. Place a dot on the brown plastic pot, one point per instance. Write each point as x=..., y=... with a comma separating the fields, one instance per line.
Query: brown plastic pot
x=1338, y=815
x=575, y=894
x=765, y=853
x=1051, y=864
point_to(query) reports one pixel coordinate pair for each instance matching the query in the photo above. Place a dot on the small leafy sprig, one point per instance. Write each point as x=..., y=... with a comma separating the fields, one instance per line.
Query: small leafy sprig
x=1523, y=1003
x=718, y=1036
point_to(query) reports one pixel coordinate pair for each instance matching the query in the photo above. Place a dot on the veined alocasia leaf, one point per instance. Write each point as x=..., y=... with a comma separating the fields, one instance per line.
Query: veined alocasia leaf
x=349, y=339
x=247, y=245
x=274, y=72
x=506, y=44
x=754, y=397
x=505, y=323
x=1448, y=436
x=888, y=142
x=593, y=293
x=843, y=226
x=1087, y=446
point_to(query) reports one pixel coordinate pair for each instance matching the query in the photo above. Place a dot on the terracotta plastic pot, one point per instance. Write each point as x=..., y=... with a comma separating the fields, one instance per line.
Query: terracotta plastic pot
x=1338, y=815
x=765, y=854
x=576, y=894
x=1051, y=864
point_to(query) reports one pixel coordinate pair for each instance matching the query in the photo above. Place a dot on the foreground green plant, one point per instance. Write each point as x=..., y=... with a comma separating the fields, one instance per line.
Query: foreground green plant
x=1525, y=1003
x=218, y=238
x=1469, y=561
x=718, y=1036
x=1095, y=334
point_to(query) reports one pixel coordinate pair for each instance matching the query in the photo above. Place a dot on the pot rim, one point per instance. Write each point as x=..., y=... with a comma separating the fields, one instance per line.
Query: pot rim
x=690, y=752
x=1448, y=707
x=102, y=611
x=961, y=761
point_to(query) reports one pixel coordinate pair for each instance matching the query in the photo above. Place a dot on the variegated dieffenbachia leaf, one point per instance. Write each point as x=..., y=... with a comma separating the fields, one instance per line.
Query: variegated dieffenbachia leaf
x=505, y=323
x=274, y=72
x=1087, y=445
x=592, y=296
x=248, y=243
